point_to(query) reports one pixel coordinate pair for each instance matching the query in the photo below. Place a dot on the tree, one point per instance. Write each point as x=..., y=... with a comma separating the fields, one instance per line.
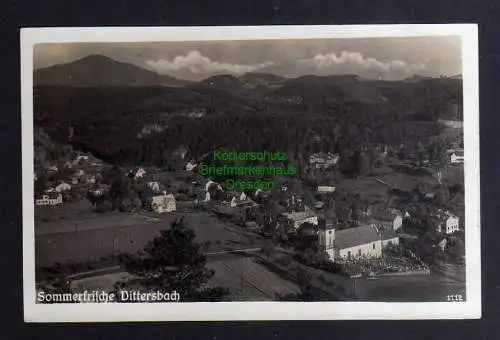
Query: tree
x=267, y=248
x=456, y=248
x=137, y=203
x=104, y=206
x=174, y=261
x=364, y=164
x=40, y=183
x=125, y=205
x=303, y=277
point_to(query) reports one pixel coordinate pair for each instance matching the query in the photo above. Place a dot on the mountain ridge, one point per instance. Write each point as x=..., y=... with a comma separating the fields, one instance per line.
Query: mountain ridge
x=99, y=70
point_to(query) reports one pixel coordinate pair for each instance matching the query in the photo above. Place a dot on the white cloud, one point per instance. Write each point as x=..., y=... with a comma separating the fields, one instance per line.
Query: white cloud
x=356, y=63
x=198, y=64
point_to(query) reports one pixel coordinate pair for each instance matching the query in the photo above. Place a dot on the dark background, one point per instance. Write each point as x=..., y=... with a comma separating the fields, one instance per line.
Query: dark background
x=15, y=14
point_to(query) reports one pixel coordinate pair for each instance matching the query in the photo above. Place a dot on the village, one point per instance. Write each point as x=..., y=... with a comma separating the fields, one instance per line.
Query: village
x=368, y=227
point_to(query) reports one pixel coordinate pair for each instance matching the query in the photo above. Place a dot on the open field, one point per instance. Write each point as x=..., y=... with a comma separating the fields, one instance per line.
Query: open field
x=90, y=239
x=405, y=178
x=247, y=280
x=432, y=288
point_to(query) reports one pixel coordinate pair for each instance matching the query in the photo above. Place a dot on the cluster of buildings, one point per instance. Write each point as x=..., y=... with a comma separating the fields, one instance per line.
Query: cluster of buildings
x=456, y=156
x=323, y=160
x=91, y=182
x=54, y=193
x=445, y=222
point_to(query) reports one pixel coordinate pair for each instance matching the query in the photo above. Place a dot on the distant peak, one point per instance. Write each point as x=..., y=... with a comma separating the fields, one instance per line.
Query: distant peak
x=96, y=58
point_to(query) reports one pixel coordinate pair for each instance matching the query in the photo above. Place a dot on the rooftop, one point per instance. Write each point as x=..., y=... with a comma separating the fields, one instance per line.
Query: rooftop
x=383, y=215
x=300, y=215
x=351, y=237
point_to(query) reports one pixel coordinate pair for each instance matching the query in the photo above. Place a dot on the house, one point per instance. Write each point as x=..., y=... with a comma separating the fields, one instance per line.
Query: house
x=323, y=160
x=52, y=168
x=68, y=165
x=212, y=185
x=296, y=219
x=82, y=158
x=139, y=173
x=446, y=222
x=207, y=197
x=191, y=166
x=324, y=189
x=99, y=190
x=79, y=173
x=387, y=219
x=429, y=196
x=442, y=245
x=319, y=205
x=163, y=203
x=457, y=157
x=88, y=179
x=49, y=199
x=154, y=186
x=63, y=187
x=363, y=240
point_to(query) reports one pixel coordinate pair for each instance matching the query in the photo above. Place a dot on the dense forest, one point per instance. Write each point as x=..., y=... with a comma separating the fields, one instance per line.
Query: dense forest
x=132, y=125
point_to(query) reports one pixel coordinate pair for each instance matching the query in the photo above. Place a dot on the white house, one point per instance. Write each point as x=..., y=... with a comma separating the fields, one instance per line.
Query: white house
x=442, y=245
x=63, y=187
x=81, y=158
x=89, y=179
x=79, y=173
x=296, y=219
x=447, y=224
x=191, y=166
x=154, y=186
x=457, y=157
x=324, y=189
x=323, y=160
x=52, y=168
x=211, y=183
x=163, y=203
x=140, y=173
x=49, y=200
x=364, y=240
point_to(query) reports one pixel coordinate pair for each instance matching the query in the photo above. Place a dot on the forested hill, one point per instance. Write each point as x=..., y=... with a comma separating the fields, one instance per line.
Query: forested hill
x=146, y=124
x=98, y=70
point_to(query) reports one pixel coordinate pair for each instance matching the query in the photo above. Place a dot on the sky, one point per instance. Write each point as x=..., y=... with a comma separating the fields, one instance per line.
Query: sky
x=374, y=58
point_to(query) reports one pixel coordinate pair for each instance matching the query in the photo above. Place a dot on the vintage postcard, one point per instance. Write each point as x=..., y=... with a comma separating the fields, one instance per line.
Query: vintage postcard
x=251, y=173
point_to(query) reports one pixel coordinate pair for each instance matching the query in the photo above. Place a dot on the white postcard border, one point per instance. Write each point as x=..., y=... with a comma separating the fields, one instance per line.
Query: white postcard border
x=210, y=311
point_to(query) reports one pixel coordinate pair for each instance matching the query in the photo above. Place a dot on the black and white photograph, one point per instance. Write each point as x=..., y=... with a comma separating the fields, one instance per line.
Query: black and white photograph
x=251, y=173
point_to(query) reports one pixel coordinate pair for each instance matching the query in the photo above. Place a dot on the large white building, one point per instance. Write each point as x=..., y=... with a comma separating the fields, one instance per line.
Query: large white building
x=387, y=219
x=447, y=223
x=296, y=219
x=457, y=157
x=163, y=203
x=363, y=240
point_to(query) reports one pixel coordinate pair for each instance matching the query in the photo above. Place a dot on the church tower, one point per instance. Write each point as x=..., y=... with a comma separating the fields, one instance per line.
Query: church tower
x=326, y=238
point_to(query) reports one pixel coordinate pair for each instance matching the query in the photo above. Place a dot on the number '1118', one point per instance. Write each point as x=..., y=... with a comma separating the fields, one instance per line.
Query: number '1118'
x=454, y=298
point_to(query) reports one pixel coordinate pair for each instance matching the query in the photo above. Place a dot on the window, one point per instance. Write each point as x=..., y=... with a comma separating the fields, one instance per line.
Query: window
x=359, y=252
x=373, y=245
x=348, y=254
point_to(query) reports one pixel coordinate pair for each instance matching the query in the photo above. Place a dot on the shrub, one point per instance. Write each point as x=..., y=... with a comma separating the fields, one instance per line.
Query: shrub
x=104, y=206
